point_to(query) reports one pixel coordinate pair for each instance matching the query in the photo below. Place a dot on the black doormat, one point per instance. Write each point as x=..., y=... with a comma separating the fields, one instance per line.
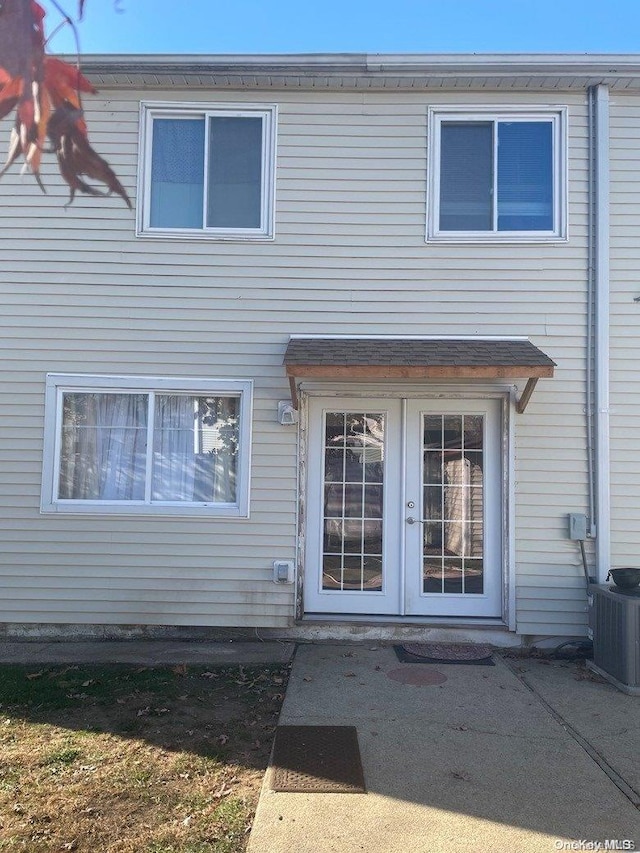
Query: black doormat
x=444, y=654
x=317, y=759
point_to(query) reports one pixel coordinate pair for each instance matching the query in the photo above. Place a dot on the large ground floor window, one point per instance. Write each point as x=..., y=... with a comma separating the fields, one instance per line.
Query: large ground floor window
x=137, y=444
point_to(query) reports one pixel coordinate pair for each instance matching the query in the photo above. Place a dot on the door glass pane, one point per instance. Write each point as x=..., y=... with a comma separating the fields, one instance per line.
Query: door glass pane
x=452, y=432
x=177, y=173
x=353, y=496
x=235, y=172
x=466, y=176
x=334, y=429
x=525, y=176
x=473, y=577
x=433, y=502
x=473, y=427
x=433, y=460
x=453, y=504
x=432, y=431
x=452, y=575
x=432, y=574
x=353, y=501
x=334, y=465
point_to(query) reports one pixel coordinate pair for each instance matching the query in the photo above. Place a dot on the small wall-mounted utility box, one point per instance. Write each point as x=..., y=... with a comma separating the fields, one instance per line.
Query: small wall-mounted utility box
x=577, y=526
x=283, y=571
x=287, y=415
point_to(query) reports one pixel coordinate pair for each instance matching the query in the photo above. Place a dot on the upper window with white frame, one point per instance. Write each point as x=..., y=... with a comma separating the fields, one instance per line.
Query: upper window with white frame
x=133, y=444
x=497, y=175
x=207, y=171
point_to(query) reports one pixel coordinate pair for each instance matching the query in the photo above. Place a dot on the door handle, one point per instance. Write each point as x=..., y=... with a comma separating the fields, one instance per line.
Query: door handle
x=412, y=520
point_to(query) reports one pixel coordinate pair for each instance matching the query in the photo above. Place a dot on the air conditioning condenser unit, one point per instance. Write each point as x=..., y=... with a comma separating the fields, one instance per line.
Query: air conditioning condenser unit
x=615, y=622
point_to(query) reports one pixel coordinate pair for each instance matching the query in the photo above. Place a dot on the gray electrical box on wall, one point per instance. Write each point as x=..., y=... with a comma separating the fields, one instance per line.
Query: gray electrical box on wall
x=283, y=571
x=577, y=526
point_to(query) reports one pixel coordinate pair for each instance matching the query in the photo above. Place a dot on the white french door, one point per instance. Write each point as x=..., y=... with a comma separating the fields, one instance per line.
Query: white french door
x=404, y=507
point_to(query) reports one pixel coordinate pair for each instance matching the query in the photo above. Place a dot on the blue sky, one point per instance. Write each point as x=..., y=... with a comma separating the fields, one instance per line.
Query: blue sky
x=285, y=26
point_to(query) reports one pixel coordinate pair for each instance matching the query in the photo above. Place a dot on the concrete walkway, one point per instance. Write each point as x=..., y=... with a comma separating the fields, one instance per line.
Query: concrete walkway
x=146, y=652
x=482, y=761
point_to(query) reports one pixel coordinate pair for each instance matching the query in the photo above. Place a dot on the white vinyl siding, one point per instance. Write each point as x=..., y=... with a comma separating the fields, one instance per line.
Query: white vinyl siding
x=625, y=329
x=81, y=294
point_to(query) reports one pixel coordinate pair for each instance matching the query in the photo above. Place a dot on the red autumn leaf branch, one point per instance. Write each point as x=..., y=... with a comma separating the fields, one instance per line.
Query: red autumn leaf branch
x=46, y=94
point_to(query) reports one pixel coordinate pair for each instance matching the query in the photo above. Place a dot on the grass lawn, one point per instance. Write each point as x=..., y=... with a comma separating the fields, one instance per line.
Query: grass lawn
x=125, y=759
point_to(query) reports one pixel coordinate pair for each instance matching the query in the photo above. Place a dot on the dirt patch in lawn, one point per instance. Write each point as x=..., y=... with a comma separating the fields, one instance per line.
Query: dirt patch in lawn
x=125, y=759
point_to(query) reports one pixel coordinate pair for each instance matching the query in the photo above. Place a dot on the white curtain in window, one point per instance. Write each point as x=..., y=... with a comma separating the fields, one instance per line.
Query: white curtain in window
x=174, y=460
x=195, y=449
x=104, y=448
x=104, y=439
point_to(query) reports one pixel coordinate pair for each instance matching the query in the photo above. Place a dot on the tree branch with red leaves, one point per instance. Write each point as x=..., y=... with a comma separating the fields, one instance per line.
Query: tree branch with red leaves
x=46, y=94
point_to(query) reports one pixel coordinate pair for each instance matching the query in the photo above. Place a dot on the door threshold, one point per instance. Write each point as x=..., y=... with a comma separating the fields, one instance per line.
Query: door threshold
x=422, y=621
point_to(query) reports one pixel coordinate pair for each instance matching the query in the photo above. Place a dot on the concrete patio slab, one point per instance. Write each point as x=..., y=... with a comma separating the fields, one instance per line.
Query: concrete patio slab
x=474, y=763
x=147, y=653
x=605, y=717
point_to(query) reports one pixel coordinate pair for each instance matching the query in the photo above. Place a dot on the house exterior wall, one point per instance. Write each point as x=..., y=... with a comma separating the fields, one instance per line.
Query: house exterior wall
x=82, y=294
x=625, y=329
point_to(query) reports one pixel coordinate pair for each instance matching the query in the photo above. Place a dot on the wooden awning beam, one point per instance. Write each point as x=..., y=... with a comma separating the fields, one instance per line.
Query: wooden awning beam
x=294, y=392
x=412, y=371
x=372, y=372
x=522, y=403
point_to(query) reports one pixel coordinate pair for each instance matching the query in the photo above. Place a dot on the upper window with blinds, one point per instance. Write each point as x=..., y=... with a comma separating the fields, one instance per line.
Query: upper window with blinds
x=497, y=177
x=207, y=172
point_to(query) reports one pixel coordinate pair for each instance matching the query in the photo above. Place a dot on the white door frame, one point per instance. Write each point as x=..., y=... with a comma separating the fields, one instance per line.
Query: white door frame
x=506, y=393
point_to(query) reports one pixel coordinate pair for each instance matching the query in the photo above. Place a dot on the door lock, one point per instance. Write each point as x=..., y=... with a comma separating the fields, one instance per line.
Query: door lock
x=411, y=504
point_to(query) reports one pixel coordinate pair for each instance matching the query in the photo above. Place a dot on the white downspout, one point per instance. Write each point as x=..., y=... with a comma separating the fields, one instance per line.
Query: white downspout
x=603, y=491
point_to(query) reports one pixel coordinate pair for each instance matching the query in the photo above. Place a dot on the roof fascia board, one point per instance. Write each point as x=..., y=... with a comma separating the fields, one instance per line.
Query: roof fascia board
x=581, y=67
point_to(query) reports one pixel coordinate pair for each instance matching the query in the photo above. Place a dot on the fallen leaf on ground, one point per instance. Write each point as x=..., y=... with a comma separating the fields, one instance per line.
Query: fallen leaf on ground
x=223, y=792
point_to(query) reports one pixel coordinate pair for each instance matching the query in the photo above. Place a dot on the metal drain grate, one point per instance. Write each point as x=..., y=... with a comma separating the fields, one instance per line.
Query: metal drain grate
x=317, y=759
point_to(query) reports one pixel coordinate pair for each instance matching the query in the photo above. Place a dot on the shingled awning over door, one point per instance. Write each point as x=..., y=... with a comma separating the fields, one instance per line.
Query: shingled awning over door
x=416, y=358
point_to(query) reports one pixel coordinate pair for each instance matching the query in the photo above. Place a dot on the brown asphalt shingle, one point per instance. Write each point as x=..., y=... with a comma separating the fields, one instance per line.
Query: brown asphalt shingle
x=410, y=352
